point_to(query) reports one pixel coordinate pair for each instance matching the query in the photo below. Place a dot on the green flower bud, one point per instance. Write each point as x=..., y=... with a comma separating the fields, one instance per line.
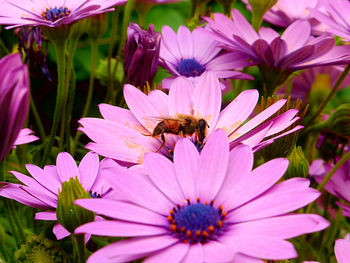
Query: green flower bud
x=97, y=25
x=69, y=215
x=339, y=121
x=259, y=8
x=298, y=164
x=39, y=249
x=227, y=5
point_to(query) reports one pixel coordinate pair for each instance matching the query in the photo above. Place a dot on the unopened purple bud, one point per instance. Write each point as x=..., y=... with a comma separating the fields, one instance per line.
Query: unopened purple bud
x=141, y=55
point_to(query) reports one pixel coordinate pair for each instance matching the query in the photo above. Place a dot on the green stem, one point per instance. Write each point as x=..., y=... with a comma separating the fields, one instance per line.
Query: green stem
x=67, y=111
x=79, y=245
x=60, y=47
x=94, y=53
x=126, y=18
x=37, y=118
x=110, y=53
x=330, y=96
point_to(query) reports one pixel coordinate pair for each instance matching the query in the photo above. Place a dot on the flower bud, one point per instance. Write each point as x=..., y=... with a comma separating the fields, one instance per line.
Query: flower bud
x=141, y=55
x=339, y=121
x=298, y=164
x=227, y=5
x=69, y=215
x=97, y=25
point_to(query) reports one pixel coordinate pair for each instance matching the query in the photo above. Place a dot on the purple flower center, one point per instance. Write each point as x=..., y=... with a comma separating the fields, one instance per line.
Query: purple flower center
x=189, y=67
x=55, y=13
x=197, y=222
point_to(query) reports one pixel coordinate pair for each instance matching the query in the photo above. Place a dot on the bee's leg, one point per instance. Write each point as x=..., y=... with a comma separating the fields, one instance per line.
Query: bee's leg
x=146, y=134
x=163, y=142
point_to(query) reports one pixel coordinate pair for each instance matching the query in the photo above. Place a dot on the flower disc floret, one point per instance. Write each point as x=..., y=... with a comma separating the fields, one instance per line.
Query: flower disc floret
x=190, y=67
x=196, y=223
x=53, y=14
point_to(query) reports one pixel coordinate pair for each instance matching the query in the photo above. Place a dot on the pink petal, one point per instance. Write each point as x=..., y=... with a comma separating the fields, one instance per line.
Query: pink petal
x=119, y=229
x=341, y=249
x=50, y=215
x=276, y=201
x=50, y=181
x=186, y=160
x=297, y=34
x=172, y=254
x=194, y=254
x=239, y=167
x=122, y=211
x=185, y=42
x=125, y=250
x=60, y=232
x=207, y=99
x=213, y=165
x=88, y=170
x=180, y=97
x=237, y=111
x=169, y=40
x=158, y=167
x=66, y=167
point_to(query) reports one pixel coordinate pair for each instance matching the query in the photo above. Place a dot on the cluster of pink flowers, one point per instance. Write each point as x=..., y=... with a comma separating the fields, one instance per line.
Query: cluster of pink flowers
x=186, y=175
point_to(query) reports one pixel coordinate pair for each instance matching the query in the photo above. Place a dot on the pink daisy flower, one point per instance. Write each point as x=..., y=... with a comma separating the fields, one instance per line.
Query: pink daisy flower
x=207, y=207
x=276, y=56
x=190, y=54
x=14, y=102
x=42, y=188
x=335, y=17
x=302, y=83
x=52, y=13
x=125, y=134
x=338, y=185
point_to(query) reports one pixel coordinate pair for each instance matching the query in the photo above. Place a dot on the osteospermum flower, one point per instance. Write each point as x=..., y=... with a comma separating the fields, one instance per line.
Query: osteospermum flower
x=325, y=77
x=190, y=54
x=126, y=134
x=338, y=185
x=277, y=56
x=207, y=207
x=51, y=13
x=335, y=17
x=41, y=190
x=14, y=102
x=342, y=249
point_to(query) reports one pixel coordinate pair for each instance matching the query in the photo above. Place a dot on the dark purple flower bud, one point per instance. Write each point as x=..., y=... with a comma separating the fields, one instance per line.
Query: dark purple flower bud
x=141, y=55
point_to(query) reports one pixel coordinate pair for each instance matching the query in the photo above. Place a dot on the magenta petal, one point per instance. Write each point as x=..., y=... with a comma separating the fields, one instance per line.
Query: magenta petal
x=125, y=250
x=239, y=168
x=342, y=249
x=66, y=167
x=50, y=215
x=172, y=254
x=186, y=160
x=185, y=42
x=297, y=35
x=88, y=170
x=207, y=99
x=237, y=111
x=255, y=183
x=157, y=166
x=50, y=181
x=194, y=254
x=180, y=97
x=60, y=232
x=277, y=201
x=213, y=165
x=137, y=188
x=283, y=227
x=120, y=229
x=216, y=251
x=160, y=101
x=239, y=257
x=122, y=211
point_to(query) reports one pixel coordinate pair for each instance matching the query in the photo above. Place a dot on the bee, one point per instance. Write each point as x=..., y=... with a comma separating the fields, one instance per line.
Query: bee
x=183, y=125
